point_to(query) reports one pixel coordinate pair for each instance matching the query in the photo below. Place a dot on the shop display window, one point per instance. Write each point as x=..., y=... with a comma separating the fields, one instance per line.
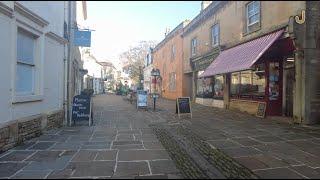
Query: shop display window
x=249, y=83
x=218, y=87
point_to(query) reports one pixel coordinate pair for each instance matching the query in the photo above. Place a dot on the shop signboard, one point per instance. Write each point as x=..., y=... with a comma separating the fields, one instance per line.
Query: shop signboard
x=142, y=98
x=261, y=109
x=81, y=108
x=183, y=106
x=82, y=38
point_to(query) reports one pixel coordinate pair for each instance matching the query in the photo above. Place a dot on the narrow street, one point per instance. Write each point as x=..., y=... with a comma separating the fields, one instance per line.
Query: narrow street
x=119, y=145
x=128, y=143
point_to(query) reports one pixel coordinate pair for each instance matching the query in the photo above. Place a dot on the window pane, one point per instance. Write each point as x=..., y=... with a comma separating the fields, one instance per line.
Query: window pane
x=254, y=19
x=235, y=83
x=246, y=81
x=25, y=47
x=218, y=86
x=24, y=78
x=259, y=83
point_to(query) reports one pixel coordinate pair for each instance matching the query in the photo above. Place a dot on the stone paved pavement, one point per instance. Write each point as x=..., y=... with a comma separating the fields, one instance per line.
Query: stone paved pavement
x=268, y=147
x=118, y=145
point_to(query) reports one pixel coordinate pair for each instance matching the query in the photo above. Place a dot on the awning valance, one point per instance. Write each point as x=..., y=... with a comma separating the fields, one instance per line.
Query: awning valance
x=241, y=57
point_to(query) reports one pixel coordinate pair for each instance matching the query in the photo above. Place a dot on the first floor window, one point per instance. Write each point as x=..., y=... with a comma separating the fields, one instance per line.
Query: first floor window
x=25, y=72
x=193, y=46
x=172, y=81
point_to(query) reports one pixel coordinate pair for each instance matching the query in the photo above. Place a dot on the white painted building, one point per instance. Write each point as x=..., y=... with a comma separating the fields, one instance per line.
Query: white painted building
x=34, y=54
x=148, y=66
x=93, y=79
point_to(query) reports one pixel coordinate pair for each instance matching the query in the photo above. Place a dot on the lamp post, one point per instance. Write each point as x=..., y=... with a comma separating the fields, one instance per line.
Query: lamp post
x=155, y=73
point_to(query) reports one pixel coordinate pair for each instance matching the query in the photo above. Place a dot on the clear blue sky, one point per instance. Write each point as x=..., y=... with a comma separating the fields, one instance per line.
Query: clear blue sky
x=119, y=25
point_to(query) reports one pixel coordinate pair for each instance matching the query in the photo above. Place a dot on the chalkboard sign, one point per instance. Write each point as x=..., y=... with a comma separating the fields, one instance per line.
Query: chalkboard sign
x=261, y=109
x=183, y=106
x=81, y=108
x=142, y=98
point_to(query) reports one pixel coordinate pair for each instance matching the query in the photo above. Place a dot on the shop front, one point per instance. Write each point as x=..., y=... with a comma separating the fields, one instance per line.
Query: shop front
x=261, y=70
x=208, y=90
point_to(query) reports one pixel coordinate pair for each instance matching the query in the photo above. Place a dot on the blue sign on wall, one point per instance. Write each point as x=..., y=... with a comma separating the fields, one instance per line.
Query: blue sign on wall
x=82, y=38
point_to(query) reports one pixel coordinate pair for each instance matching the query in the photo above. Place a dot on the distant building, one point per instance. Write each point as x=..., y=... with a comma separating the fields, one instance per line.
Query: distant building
x=168, y=58
x=148, y=66
x=94, y=78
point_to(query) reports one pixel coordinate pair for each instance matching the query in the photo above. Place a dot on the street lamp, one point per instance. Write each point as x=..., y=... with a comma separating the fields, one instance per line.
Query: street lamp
x=155, y=73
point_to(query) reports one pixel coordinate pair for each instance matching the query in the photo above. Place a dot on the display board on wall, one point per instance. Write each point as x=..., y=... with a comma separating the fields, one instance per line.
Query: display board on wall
x=261, y=112
x=183, y=106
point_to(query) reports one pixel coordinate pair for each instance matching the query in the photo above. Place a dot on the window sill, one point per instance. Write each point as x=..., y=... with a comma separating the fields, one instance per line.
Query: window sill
x=251, y=32
x=27, y=98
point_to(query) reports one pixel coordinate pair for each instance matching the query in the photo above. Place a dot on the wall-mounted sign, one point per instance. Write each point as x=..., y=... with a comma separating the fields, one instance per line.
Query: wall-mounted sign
x=81, y=108
x=183, y=106
x=82, y=38
x=302, y=19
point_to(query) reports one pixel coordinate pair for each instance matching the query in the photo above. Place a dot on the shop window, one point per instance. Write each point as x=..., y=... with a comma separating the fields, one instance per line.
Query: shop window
x=235, y=84
x=25, y=75
x=274, y=81
x=249, y=84
x=204, y=87
x=218, y=87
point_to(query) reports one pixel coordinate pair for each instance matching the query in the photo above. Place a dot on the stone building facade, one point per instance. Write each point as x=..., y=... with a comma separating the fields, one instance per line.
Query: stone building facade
x=168, y=58
x=223, y=26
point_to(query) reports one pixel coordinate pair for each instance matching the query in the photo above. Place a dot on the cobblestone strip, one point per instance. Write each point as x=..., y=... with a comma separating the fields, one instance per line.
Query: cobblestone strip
x=224, y=163
x=183, y=161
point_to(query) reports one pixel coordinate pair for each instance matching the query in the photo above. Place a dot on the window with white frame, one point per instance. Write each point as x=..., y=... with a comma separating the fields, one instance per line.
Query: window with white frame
x=193, y=46
x=215, y=35
x=25, y=74
x=173, y=52
x=253, y=13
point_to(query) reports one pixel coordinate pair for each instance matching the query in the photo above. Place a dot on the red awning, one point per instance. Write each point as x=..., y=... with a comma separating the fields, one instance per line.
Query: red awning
x=241, y=57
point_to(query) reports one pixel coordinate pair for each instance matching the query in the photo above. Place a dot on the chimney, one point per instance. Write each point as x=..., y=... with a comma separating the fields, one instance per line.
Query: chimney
x=167, y=32
x=205, y=4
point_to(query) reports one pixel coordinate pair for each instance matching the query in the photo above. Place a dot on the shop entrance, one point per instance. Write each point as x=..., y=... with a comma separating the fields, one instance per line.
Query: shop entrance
x=289, y=80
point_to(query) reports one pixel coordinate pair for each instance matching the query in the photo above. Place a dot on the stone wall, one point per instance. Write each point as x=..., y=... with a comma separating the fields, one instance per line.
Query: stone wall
x=16, y=132
x=250, y=107
x=55, y=120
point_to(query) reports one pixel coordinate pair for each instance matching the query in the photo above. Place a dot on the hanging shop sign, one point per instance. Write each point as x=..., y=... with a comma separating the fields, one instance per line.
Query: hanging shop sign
x=82, y=38
x=183, y=106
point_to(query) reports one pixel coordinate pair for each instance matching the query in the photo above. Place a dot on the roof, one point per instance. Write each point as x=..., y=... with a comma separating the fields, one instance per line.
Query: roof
x=204, y=15
x=171, y=34
x=241, y=57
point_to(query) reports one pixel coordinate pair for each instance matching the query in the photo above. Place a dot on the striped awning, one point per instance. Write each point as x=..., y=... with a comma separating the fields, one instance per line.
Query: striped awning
x=241, y=57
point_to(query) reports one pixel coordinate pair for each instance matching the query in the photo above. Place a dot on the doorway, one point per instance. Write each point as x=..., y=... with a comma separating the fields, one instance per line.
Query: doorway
x=289, y=76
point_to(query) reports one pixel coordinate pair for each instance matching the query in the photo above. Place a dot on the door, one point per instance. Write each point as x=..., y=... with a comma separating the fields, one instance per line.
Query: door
x=289, y=92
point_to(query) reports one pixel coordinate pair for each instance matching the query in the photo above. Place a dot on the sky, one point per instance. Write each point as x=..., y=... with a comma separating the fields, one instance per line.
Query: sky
x=118, y=25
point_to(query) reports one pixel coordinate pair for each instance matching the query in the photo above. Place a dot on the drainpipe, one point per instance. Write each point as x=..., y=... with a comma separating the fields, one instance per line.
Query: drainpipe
x=68, y=64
